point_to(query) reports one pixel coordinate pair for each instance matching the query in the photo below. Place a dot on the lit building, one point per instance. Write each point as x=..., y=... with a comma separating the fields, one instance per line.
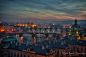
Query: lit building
x=5, y=28
x=82, y=36
x=75, y=29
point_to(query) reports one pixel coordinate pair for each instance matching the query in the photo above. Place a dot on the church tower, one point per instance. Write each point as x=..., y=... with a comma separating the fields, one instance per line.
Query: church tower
x=75, y=29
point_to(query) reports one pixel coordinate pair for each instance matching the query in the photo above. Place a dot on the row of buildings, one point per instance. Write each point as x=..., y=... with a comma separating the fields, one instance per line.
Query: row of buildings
x=73, y=44
x=67, y=47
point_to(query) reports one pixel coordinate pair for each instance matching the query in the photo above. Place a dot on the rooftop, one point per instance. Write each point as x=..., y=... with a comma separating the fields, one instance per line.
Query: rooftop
x=9, y=39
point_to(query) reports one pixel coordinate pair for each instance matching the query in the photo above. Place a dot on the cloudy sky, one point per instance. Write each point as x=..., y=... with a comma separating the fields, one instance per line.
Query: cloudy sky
x=42, y=10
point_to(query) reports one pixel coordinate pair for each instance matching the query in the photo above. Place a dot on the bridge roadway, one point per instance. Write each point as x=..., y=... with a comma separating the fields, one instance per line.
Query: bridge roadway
x=34, y=32
x=46, y=28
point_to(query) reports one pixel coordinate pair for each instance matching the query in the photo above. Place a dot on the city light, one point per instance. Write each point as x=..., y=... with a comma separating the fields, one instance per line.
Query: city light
x=2, y=30
x=21, y=37
x=53, y=24
x=34, y=25
x=12, y=30
x=7, y=36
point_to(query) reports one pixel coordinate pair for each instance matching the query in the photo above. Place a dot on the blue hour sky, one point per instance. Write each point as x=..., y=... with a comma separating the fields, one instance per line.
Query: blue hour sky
x=42, y=10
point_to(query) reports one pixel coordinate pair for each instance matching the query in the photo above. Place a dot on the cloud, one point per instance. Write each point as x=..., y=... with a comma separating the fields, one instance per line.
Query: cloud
x=43, y=8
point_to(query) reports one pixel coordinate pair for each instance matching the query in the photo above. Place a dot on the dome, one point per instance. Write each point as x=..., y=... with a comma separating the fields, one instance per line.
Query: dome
x=75, y=29
x=77, y=26
x=9, y=39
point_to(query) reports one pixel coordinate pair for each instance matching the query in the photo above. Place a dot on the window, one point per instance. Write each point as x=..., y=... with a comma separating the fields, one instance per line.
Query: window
x=61, y=53
x=14, y=54
x=24, y=56
x=61, y=56
x=81, y=49
x=74, y=47
x=21, y=55
x=73, y=28
x=18, y=55
x=11, y=54
x=57, y=52
x=77, y=49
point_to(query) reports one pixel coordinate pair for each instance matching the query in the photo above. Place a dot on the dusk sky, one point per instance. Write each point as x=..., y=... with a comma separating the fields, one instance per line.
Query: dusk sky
x=42, y=10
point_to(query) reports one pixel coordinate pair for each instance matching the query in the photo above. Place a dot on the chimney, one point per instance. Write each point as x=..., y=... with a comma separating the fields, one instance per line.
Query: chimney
x=42, y=47
x=46, y=46
x=61, y=43
x=16, y=43
x=64, y=41
x=27, y=44
x=56, y=40
x=49, y=42
x=53, y=42
x=11, y=42
x=19, y=44
x=77, y=40
x=35, y=44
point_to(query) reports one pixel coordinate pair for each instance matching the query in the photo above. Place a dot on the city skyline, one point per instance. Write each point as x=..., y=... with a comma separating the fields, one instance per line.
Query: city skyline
x=42, y=10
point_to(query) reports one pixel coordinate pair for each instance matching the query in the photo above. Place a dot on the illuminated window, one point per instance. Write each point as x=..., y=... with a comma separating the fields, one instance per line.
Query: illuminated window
x=82, y=34
x=76, y=32
x=70, y=30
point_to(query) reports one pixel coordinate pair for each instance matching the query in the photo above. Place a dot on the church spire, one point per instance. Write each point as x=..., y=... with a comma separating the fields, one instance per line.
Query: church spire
x=75, y=21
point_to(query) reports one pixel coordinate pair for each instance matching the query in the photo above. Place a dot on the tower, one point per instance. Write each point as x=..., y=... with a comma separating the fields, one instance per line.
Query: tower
x=75, y=29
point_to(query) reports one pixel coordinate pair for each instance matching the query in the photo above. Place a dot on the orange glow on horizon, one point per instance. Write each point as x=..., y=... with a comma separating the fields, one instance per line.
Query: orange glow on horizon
x=34, y=25
x=20, y=25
